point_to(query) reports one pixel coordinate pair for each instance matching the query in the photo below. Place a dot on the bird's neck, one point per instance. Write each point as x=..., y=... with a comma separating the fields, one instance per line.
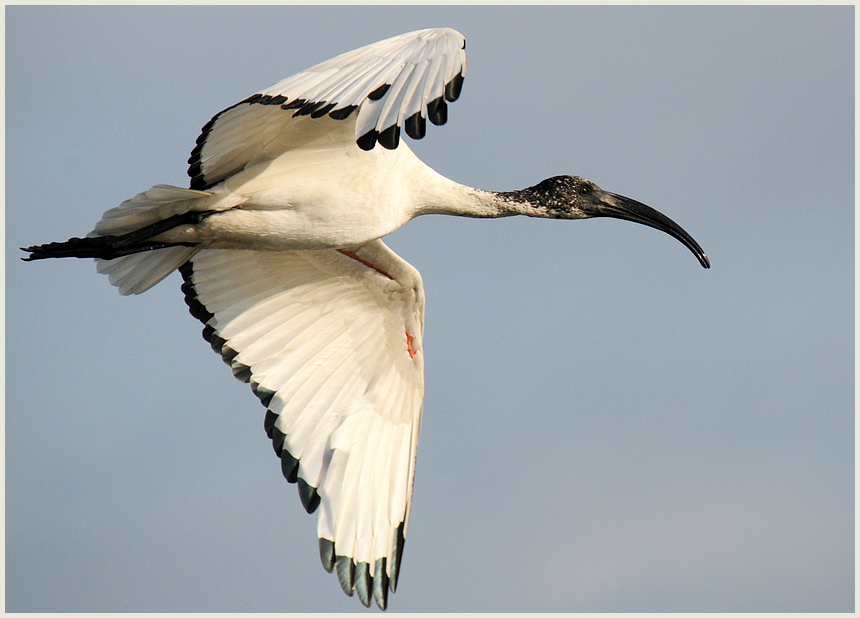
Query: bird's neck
x=441, y=196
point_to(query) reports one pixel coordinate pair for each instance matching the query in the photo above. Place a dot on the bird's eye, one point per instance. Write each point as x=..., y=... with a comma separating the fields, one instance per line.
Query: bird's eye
x=584, y=190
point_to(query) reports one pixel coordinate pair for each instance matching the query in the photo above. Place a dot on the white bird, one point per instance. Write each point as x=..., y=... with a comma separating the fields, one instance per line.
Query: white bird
x=278, y=242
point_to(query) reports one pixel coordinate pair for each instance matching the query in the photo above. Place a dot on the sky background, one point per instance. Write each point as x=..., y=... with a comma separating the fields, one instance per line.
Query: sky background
x=607, y=426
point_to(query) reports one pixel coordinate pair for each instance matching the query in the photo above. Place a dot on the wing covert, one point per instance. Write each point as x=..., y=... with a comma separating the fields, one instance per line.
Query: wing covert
x=330, y=342
x=395, y=84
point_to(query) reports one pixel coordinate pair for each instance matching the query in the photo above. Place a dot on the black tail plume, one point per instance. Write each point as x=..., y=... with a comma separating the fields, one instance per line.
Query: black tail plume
x=111, y=247
x=104, y=247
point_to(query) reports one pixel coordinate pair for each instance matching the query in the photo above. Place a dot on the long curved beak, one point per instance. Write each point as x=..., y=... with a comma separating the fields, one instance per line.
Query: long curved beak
x=620, y=207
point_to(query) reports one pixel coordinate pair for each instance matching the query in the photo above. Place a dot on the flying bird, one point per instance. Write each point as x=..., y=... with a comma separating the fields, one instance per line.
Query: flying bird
x=278, y=242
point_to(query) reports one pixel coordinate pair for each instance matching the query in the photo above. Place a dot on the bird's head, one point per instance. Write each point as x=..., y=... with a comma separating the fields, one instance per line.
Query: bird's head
x=572, y=197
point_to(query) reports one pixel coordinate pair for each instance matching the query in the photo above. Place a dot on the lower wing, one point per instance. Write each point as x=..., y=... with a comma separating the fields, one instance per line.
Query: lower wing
x=330, y=342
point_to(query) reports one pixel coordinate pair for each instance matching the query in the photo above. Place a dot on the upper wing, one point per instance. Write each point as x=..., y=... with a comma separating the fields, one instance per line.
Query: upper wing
x=331, y=343
x=398, y=82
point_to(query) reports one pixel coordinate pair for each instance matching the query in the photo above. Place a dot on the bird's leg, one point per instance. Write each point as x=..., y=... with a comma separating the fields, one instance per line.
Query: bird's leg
x=110, y=247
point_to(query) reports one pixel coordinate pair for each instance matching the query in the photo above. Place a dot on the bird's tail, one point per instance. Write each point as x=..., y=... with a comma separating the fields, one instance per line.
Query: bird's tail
x=122, y=244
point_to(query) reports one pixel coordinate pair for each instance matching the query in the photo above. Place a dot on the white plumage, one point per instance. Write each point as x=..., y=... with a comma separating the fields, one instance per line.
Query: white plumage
x=278, y=244
x=333, y=347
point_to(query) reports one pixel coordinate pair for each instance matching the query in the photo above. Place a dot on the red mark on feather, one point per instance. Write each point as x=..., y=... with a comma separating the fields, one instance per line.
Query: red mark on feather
x=350, y=254
x=412, y=351
x=355, y=257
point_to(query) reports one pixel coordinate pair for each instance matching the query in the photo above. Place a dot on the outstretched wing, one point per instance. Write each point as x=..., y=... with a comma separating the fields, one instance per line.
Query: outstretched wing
x=330, y=341
x=399, y=82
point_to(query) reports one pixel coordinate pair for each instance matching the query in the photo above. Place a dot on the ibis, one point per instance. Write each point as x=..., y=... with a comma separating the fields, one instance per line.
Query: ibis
x=278, y=241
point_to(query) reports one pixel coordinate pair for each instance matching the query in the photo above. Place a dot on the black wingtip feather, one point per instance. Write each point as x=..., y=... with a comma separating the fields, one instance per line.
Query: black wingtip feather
x=380, y=585
x=264, y=395
x=195, y=172
x=216, y=342
x=309, y=108
x=195, y=307
x=241, y=372
x=269, y=422
x=390, y=137
x=396, y=556
x=343, y=113
x=274, y=100
x=345, y=573
x=327, y=554
x=208, y=332
x=453, y=88
x=289, y=466
x=278, y=438
x=363, y=583
x=437, y=111
x=204, y=130
x=309, y=496
x=195, y=153
x=198, y=183
x=379, y=92
x=227, y=353
x=294, y=104
x=323, y=111
x=368, y=140
x=416, y=126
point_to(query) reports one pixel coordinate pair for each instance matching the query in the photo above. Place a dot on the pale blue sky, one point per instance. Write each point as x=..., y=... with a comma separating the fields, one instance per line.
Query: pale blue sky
x=607, y=426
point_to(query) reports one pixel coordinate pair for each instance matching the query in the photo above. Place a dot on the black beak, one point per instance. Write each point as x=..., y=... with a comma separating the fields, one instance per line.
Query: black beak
x=620, y=207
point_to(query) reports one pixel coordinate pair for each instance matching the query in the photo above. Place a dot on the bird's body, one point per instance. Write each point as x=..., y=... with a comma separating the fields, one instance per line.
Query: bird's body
x=278, y=242
x=339, y=198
